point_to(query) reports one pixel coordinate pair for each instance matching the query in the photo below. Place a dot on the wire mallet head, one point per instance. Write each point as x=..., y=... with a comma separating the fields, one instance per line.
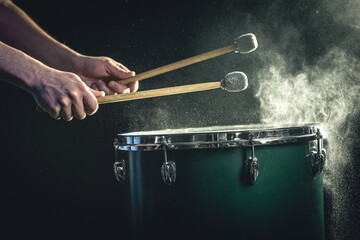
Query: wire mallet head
x=245, y=43
x=234, y=82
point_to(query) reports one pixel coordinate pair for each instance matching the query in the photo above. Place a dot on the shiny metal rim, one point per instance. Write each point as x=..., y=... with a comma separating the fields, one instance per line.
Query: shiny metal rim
x=217, y=137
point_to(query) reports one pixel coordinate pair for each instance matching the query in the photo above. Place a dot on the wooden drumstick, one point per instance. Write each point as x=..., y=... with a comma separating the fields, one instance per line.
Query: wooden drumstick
x=245, y=43
x=233, y=82
x=158, y=92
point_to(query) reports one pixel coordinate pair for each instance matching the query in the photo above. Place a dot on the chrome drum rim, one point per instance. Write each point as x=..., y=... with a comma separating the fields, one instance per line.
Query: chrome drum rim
x=218, y=136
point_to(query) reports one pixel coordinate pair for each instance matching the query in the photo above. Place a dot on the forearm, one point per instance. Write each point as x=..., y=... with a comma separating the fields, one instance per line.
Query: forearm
x=19, y=69
x=20, y=31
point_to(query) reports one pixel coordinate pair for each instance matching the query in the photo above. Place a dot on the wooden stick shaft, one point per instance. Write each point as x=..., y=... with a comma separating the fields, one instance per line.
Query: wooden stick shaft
x=179, y=64
x=159, y=92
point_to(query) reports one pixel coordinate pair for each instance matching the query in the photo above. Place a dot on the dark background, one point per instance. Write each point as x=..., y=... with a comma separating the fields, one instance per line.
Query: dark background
x=57, y=177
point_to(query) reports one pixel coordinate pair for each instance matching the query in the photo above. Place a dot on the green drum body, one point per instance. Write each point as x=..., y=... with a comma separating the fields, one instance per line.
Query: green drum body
x=224, y=182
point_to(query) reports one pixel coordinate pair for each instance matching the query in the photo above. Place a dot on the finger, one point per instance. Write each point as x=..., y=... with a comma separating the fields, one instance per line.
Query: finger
x=54, y=111
x=78, y=109
x=103, y=87
x=134, y=86
x=117, y=87
x=117, y=72
x=66, y=113
x=65, y=104
x=97, y=93
x=122, y=67
x=94, y=86
x=90, y=103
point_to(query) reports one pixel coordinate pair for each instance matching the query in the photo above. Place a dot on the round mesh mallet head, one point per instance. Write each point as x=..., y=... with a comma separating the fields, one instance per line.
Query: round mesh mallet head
x=234, y=82
x=246, y=43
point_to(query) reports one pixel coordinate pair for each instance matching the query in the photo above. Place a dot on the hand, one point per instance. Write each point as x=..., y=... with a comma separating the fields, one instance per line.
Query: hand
x=101, y=74
x=64, y=94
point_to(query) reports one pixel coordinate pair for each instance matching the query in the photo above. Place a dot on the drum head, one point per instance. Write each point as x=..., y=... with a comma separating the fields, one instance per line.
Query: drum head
x=218, y=136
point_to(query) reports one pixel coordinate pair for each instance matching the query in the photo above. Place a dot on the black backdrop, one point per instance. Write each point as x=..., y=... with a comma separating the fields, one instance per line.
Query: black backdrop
x=57, y=177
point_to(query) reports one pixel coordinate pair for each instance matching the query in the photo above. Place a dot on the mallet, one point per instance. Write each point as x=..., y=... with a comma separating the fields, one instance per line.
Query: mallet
x=243, y=44
x=232, y=82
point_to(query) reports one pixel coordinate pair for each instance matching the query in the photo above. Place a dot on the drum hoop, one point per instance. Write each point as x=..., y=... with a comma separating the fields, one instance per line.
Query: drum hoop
x=271, y=135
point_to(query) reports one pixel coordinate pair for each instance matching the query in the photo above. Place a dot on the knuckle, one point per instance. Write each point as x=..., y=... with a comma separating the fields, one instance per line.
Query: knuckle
x=73, y=75
x=82, y=86
x=73, y=94
x=108, y=60
x=64, y=101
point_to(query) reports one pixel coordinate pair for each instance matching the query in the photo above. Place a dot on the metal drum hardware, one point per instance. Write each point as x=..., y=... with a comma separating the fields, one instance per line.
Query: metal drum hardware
x=120, y=170
x=168, y=169
x=119, y=165
x=318, y=157
x=252, y=164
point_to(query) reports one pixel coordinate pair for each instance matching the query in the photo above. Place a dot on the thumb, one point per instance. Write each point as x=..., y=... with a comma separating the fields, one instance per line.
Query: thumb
x=97, y=93
x=117, y=72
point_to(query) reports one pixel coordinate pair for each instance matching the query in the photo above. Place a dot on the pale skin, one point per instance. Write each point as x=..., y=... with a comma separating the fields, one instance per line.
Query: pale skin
x=64, y=83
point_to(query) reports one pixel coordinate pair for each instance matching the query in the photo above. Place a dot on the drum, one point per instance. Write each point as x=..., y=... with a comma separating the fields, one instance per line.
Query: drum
x=223, y=182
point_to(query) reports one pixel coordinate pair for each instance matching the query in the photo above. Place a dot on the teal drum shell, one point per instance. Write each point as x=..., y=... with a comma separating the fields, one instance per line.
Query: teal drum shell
x=212, y=195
